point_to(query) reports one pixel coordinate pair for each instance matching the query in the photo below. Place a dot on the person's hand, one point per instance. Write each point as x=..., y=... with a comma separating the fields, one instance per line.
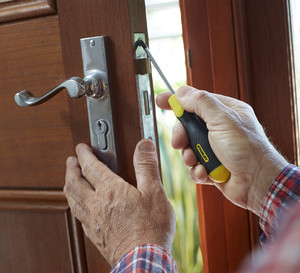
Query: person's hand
x=115, y=215
x=238, y=140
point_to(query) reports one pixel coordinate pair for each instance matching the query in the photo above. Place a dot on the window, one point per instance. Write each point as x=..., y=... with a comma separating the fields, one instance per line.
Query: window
x=295, y=25
x=166, y=44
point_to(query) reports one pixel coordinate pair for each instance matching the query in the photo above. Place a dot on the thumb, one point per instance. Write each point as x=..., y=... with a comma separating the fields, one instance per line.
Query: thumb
x=146, y=166
x=203, y=103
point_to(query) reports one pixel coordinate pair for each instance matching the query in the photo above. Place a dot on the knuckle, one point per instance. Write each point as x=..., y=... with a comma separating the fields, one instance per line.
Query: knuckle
x=250, y=109
x=178, y=129
x=160, y=193
x=148, y=162
x=77, y=211
x=82, y=198
x=87, y=168
x=74, y=209
x=69, y=185
x=201, y=95
x=107, y=182
x=147, y=166
x=71, y=160
x=109, y=193
x=72, y=205
x=107, y=178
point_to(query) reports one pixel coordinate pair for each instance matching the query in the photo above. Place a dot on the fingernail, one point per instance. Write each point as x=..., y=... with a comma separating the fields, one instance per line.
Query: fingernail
x=182, y=91
x=147, y=146
x=71, y=159
x=197, y=170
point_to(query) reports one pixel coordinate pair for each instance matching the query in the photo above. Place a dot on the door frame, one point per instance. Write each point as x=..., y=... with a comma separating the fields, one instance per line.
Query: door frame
x=230, y=49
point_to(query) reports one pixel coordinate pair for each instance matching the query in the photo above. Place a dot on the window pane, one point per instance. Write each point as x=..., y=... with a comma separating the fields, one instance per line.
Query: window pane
x=166, y=45
x=295, y=22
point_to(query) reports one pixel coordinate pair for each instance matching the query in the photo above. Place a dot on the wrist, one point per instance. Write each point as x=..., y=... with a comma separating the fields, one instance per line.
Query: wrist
x=152, y=256
x=268, y=168
x=164, y=242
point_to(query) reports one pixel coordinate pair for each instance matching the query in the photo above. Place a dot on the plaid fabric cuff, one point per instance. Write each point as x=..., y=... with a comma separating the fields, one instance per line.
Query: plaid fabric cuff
x=146, y=258
x=283, y=193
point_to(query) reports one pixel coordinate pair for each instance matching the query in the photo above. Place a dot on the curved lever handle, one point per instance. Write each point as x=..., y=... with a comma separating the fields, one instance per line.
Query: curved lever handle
x=93, y=85
x=75, y=87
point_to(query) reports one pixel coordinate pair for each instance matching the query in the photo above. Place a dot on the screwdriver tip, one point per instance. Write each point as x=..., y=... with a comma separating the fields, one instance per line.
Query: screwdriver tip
x=140, y=42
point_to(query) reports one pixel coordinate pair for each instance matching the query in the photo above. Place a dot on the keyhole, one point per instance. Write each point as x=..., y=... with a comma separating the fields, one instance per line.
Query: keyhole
x=100, y=126
x=101, y=129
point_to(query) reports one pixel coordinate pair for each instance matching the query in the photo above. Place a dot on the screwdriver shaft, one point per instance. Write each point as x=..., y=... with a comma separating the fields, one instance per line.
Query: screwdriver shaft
x=156, y=66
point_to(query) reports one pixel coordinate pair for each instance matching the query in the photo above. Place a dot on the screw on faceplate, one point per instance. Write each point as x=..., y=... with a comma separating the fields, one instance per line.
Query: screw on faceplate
x=92, y=43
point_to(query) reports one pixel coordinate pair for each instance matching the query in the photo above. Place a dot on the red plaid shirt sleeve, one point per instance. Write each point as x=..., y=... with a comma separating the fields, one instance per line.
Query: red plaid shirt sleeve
x=146, y=259
x=282, y=255
x=283, y=194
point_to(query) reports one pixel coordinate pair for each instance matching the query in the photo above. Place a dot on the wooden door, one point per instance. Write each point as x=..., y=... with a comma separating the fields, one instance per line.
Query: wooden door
x=40, y=48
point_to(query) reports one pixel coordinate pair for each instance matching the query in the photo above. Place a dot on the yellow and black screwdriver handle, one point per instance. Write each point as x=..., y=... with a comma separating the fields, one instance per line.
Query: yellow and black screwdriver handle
x=198, y=138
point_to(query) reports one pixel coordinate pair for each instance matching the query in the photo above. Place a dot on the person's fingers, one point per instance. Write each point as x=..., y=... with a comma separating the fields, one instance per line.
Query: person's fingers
x=78, y=211
x=73, y=166
x=203, y=103
x=162, y=100
x=180, y=138
x=189, y=157
x=146, y=166
x=92, y=169
x=76, y=186
x=73, y=171
x=180, y=141
x=198, y=174
x=86, y=230
x=228, y=101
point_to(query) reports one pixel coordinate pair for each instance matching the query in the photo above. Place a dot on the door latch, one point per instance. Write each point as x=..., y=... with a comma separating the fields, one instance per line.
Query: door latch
x=95, y=85
x=144, y=91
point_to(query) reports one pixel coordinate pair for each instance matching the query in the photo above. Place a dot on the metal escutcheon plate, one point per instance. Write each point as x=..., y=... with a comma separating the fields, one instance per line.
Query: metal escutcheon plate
x=94, y=58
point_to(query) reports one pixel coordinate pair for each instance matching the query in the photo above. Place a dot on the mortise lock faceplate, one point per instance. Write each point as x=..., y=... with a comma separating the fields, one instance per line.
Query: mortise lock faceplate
x=144, y=91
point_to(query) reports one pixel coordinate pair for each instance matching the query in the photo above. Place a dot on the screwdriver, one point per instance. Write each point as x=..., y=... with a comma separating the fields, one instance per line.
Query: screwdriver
x=196, y=130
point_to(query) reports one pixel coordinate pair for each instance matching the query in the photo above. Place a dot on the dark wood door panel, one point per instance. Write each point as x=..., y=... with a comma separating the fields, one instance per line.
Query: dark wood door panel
x=11, y=10
x=31, y=220
x=35, y=141
x=35, y=233
x=95, y=261
x=33, y=242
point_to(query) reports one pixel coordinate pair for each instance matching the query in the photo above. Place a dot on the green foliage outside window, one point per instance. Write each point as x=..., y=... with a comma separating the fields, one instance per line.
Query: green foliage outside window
x=182, y=195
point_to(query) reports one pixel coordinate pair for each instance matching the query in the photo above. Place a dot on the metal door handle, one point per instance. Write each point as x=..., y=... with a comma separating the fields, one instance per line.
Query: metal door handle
x=93, y=85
